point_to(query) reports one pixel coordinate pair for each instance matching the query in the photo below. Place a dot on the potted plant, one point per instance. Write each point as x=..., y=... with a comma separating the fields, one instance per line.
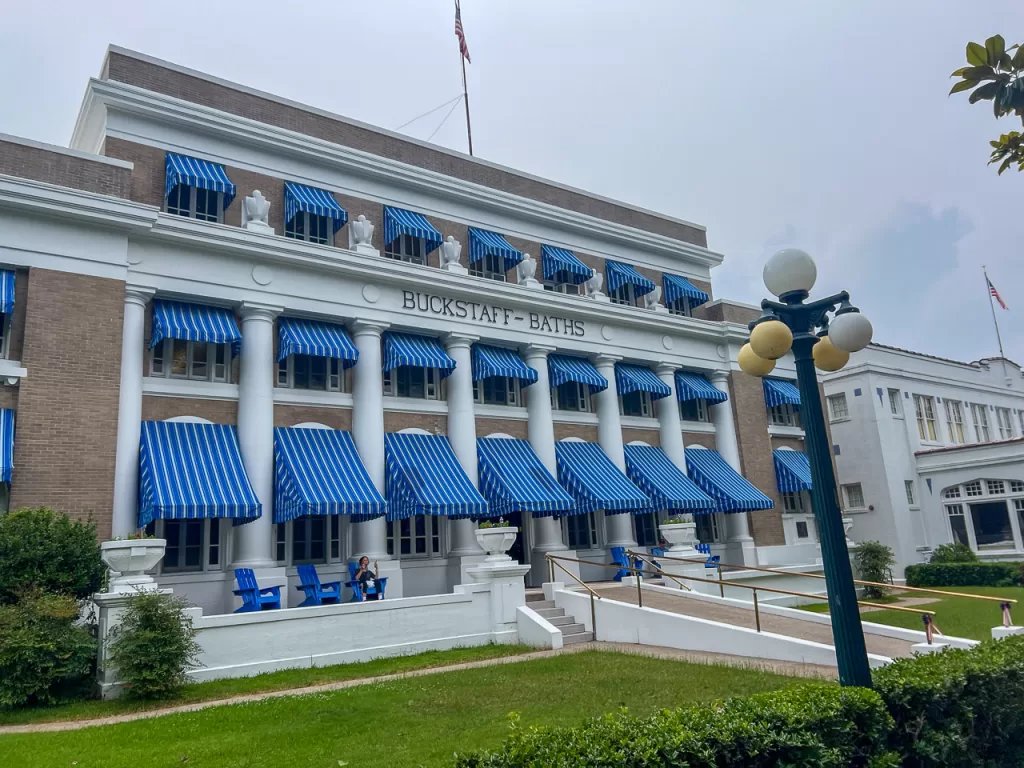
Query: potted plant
x=496, y=537
x=680, y=532
x=129, y=558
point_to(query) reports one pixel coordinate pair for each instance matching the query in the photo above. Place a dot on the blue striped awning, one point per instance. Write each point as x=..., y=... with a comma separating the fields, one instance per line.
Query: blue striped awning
x=483, y=243
x=194, y=322
x=595, y=482
x=191, y=471
x=319, y=202
x=6, y=290
x=693, y=386
x=498, y=361
x=6, y=444
x=418, y=351
x=730, y=490
x=792, y=471
x=318, y=472
x=666, y=484
x=401, y=222
x=193, y=172
x=777, y=392
x=513, y=479
x=637, y=378
x=562, y=266
x=619, y=274
x=563, y=369
x=296, y=336
x=677, y=287
x=425, y=478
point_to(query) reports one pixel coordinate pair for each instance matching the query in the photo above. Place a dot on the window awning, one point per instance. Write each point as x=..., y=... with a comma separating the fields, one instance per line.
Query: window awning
x=193, y=172
x=319, y=202
x=636, y=378
x=778, y=392
x=425, y=478
x=678, y=287
x=693, y=386
x=792, y=471
x=513, y=479
x=6, y=444
x=730, y=490
x=192, y=471
x=399, y=222
x=595, y=482
x=297, y=336
x=563, y=369
x=666, y=484
x=318, y=472
x=562, y=266
x=194, y=322
x=6, y=291
x=417, y=351
x=483, y=243
x=497, y=361
x=619, y=274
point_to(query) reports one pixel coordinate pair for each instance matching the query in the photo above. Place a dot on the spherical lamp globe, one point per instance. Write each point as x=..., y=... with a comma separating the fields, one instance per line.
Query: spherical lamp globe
x=790, y=270
x=771, y=339
x=827, y=357
x=753, y=365
x=850, y=332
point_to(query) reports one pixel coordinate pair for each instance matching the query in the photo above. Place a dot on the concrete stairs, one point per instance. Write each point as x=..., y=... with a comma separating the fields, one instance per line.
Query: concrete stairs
x=572, y=631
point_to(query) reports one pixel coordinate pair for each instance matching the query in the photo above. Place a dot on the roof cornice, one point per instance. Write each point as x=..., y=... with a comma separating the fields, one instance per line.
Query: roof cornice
x=74, y=204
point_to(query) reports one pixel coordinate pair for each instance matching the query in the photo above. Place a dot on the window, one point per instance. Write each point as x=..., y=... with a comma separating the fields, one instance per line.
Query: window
x=924, y=409
x=957, y=524
x=997, y=487
x=955, y=420
x=185, y=545
x=785, y=415
x=951, y=493
x=308, y=540
x=793, y=502
x=709, y=528
x=309, y=372
x=973, y=488
x=408, y=381
x=491, y=267
x=311, y=228
x=581, y=531
x=406, y=248
x=801, y=529
x=837, y=407
x=625, y=294
x=636, y=404
x=980, y=415
x=895, y=404
x=5, y=334
x=1004, y=423
x=569, y=289
x=417, y=536
x=683, y=306
x=199, y=360
x=1016, y=486
x=497, y=390
x=991, y=521
x=196, y=203
x=854, y=496
x=571, y=396
x=694, y=410
x=646, y=529
x=909, y=486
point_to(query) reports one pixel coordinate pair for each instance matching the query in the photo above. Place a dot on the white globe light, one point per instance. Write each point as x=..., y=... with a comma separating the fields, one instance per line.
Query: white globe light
x=850, y=332
x=790, y=270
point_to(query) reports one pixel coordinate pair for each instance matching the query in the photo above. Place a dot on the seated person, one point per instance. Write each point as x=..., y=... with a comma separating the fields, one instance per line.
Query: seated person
x=368, y=579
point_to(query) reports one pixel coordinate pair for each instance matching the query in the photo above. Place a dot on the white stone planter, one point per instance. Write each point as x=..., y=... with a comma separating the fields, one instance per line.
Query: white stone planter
x=497, y=541
x=130, y=559
x=681, y=537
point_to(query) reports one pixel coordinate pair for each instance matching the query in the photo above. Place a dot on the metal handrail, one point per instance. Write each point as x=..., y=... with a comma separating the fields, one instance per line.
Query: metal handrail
x=653, y=564
x=551, y=570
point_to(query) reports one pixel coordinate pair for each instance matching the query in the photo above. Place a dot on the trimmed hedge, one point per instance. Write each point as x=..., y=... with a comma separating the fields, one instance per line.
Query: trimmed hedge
x=963, y=575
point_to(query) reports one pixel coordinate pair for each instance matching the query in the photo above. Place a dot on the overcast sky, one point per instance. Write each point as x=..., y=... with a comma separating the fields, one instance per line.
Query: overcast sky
x=823, y=125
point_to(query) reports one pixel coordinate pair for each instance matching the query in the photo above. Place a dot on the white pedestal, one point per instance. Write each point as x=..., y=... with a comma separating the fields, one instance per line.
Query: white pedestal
x=600, y=297
x=365, y=249
x=455, y=268
x=259, y=226
x=659, y=308
x=532, y=282
x=922, y=648
x=265, y=577
x=109, y=607
x=508, y=591
x=998, y=633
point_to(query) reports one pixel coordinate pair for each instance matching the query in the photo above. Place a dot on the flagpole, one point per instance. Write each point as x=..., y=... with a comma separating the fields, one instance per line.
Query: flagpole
x=995, y=321
x=465, y=88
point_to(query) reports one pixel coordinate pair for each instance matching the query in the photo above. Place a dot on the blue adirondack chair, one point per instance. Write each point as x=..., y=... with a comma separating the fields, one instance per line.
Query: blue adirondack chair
x=713, y=560
x=619, y=558
x=317, y=593
x=255, y=598
x=357, y=593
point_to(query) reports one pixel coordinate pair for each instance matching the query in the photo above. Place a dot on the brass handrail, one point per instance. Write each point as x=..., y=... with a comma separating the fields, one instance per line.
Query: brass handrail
x=593, y=612
x=653, y=564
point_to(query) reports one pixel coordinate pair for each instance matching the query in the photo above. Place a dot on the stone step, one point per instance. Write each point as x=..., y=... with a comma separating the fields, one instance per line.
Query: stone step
x=581, y=637
x=547, y=613
x=571, y=629
x=535, y=596
x=540, y=605
x=561, y=621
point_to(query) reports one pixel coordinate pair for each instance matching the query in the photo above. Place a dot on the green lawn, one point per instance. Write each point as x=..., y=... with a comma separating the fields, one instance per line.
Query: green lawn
x=413, y=722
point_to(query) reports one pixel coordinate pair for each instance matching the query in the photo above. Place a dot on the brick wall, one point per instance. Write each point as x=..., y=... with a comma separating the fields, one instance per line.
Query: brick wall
x=158, y=408
x=586, y=432
x=700, y=438
x=28, y=162
x=649, y=436
x=396, y=421
x=794, y=443
x=724, y=311
x=8, y=397
x=17, y=342
x=514, y=427
x=67, y=405
x=290, y=415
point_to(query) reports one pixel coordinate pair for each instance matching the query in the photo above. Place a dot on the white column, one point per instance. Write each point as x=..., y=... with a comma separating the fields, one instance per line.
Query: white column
x=736, y=526
x=669, y=425
x=129, y=412
x=462, y=433
x=547, y=531
x=619, y=528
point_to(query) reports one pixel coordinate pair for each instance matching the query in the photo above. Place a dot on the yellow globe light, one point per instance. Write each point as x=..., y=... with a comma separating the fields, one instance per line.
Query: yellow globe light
x=827, y=357
x=771, y=340
x=753, y=365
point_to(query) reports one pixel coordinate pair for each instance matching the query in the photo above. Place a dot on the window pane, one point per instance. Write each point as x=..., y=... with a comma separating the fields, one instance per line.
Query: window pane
x=299, y=539
x=179, y=358
x=199, y=367
x=301, y=377
x=178, y=200
x=991, y=525
x=318, y=373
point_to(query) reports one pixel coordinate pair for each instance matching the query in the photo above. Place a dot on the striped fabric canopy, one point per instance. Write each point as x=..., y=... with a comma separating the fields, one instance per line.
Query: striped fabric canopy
x=482, y=243
x=194, y=322
x=498, y=361
x=792, y=471
x=192, y=471
x=193, y=172
x=678, y=287
x=425, y=478
x=6, y=444
x=619, y=274
x=777, y=392
x=296, y=336
x=513, y=479
x=693, y=386
x=418, y=351
x=6, y=291
x=666, y=484
x=730, y=490
x=318, y=472
x=563, y=369
x=399, y=222
x=595, y=482
x=637, y=378
x=562, y=266
x=320, y=202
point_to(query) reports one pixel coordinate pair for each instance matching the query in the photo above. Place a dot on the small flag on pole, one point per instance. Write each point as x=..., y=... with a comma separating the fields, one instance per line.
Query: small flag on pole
x=995, y=294
x=461, y=34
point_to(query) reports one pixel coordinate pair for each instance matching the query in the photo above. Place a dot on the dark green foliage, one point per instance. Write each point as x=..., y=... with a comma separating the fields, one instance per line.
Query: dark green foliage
x=44, y=550
x=953, y=553
x=963, y=575
x=873, y=561
x=44, y=656
x=154, y=646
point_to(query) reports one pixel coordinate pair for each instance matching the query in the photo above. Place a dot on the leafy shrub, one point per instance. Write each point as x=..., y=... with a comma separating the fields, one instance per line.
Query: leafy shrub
x=963, y=575
x=154, y=646
x=44, y=656
x=873, y=561
x=45, y=550
x=953, y=553
x=810, y=725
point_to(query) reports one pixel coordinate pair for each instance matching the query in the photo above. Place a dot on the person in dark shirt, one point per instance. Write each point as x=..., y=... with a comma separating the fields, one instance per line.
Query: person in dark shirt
x=368, y=579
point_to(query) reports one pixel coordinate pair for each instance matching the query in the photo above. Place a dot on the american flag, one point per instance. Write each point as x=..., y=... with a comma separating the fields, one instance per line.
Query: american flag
x=460, y=33
x=995, y=293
